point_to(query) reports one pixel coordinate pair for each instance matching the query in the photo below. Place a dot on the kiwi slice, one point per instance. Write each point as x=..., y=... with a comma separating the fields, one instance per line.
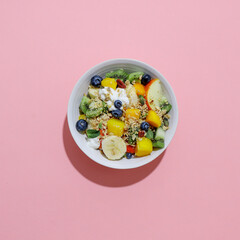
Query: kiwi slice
x=84, y=104
x=158, y=144
x=92, y=133
x=150, y=134
x=166, y=107
x=142, y=99
x=91, y=113
x=135, y=76
x=119, y=74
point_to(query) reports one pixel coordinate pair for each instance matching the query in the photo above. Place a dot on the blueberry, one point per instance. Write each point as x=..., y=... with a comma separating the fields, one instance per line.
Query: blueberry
x=96, y=81
x=118, y=104
x=128, y=155
x=81, y=125
x=144, y=126
x=146, y=78
x=117, y=113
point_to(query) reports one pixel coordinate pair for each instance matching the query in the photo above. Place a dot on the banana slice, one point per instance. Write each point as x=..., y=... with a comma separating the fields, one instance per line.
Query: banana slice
x=132, y=95
x=114, y=147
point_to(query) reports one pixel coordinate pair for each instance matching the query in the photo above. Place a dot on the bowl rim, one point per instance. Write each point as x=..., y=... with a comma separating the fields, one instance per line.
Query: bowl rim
x=121, y=61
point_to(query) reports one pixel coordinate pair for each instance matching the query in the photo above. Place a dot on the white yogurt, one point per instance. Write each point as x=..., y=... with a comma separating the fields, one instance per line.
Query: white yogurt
x=113, y=95
x=103, y=92
x=93, y=142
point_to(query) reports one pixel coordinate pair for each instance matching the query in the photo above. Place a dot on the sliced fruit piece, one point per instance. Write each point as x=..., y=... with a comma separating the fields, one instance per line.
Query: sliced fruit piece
x=130, y=149
x=93, y=92
x=153, y=94
x=82, y=116
x=109, y=82
x=90, y=113
x=120, y=74
x=133, y=113
x=114, y=147
x=167, y=107
x=132, y=95
x=159, y=144
x=160, y=134
x=115, y=126
x=142, y=99
x=153, y=119
x=84, y=104
x=92, y=133
x=135, y=76
x=140, y=90
x=144, y=147
x=150, y=134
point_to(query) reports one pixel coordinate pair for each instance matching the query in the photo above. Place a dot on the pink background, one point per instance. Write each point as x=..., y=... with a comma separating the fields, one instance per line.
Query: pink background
x=50, y=190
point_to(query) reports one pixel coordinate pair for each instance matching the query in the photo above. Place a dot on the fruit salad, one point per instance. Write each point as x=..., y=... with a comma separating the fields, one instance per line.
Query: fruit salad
x=124, y=114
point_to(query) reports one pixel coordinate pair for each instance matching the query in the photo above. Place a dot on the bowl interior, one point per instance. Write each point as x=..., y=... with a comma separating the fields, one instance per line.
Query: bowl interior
x=82, y=86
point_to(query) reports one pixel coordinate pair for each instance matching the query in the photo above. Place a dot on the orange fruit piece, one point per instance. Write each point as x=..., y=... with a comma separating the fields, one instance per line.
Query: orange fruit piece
x=153, y=119
x=133, y=113
x=143, y=147
x=140, y=89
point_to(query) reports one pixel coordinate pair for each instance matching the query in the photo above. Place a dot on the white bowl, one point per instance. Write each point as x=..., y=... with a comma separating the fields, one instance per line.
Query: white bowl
x=81, y=87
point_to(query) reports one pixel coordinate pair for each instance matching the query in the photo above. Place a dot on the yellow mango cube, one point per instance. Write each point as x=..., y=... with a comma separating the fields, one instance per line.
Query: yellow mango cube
x=133, y=113
x=153, y=119
x=109, y=82
x=140, y=89
x=144, y=147
x=115, y=126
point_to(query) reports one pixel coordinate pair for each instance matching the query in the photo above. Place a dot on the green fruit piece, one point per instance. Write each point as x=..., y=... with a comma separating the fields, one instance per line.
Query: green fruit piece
x=92, y=133
x=84, y=104
x=150, y=134
x=158, y=144
x=90, y=113
x=160, y=134
x=119, y=74
x=135, y=76
x=166, y=107
x=141, y=99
